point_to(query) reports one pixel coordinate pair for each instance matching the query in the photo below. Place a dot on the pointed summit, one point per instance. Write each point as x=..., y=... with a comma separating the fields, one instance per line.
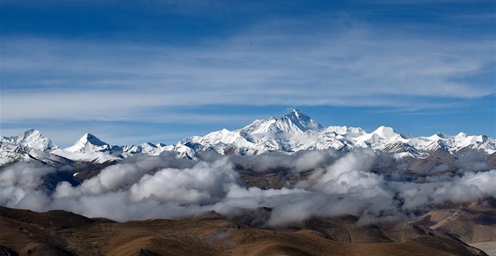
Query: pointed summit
x=295, y=122
x=295, y=112
x=90, y=138
x=385, y=132
x=89, y=142
x=302, y=121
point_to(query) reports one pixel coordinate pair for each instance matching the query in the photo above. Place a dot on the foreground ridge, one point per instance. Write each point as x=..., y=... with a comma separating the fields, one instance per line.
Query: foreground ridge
x=66, y=233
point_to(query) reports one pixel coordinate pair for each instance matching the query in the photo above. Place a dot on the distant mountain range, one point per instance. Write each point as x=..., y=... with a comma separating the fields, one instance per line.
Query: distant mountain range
x=443, y=183
x=291, y=133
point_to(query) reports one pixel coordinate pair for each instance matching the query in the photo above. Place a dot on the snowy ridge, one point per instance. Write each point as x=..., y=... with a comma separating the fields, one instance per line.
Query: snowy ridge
x=261, y=136
x=31, y=145
x=291, y=133
x=32, y=139
x=296, y=132
x=145, y=148
x=91, y=148
x=28, y=145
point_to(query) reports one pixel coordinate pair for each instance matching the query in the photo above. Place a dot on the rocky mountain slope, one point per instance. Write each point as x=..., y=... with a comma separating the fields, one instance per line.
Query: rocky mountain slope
x=64, y=233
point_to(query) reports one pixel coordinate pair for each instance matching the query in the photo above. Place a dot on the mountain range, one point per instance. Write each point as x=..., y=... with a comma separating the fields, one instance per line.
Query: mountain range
x=427, y=195
x=291, y=133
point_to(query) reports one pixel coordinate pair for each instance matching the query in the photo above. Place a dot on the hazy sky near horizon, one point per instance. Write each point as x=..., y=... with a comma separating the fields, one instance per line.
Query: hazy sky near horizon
x=161, y=70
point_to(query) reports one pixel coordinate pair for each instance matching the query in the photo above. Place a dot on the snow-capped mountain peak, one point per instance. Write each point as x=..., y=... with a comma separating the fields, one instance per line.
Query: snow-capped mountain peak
x=295, y=122
x=33, y=139
x=300, y=120
x=89, y=142
x=385, y=132
x=90, y=138
x=26, y=146
x=90, y=148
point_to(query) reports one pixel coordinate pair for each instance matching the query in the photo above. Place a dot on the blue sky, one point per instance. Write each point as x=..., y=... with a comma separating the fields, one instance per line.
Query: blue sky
x=161, y=70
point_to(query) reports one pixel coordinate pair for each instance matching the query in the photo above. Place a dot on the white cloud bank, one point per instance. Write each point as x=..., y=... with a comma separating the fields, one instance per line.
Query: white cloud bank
x=144, y=187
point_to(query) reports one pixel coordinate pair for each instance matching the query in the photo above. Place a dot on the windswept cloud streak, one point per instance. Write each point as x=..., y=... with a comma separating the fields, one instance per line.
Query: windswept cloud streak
x=360, y=66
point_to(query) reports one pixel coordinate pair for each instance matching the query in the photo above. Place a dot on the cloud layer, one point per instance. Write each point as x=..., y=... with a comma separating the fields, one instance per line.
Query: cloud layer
x=336, y=184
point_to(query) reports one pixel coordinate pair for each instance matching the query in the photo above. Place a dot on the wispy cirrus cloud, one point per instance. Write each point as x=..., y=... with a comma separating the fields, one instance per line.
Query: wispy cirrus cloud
x=353, y=67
